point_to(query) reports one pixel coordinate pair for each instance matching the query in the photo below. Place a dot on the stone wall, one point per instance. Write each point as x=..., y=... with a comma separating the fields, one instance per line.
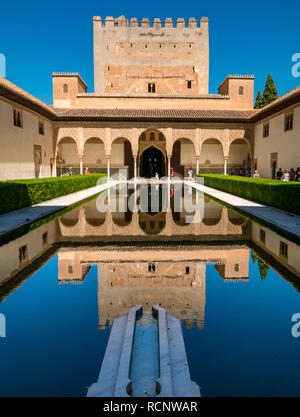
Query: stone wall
x=128, y=57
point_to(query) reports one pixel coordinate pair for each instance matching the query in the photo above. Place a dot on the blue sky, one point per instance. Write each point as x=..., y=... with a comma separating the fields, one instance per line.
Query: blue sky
x=256, y=37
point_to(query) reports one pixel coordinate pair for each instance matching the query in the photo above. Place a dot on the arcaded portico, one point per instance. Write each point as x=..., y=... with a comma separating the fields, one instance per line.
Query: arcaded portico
x=144, y=148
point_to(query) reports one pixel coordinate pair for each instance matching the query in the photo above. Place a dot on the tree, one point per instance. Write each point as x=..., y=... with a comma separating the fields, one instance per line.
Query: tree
x=263, y=269
x=259, y=100
x=270, y=91
x=254, y=257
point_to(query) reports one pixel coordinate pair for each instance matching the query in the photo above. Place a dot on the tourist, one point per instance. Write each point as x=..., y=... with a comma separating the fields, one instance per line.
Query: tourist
x=285, y=176
x=292, y=174
x=70, y=172
x=248, y=174
x=190, y=174
x=279, y=174
x=86, y=170
x=297, y=175
x=256, y=174
x=156, y=176
x=172, y=172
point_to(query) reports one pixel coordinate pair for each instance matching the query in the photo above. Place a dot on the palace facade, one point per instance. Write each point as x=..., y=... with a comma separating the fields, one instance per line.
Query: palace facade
x=150, y=111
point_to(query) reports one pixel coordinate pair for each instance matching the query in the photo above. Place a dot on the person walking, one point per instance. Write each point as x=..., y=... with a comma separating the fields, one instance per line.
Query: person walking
x=190, y=174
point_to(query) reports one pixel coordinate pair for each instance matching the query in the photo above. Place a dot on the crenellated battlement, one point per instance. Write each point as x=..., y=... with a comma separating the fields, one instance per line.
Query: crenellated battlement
x=157, y=23
x=151, y=56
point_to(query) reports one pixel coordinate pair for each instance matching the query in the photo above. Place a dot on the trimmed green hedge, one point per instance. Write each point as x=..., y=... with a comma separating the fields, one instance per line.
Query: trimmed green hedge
x=276, y=193
x=17, y=194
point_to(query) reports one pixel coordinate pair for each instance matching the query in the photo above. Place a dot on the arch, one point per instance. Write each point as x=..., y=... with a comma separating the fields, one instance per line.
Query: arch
x=67, y=156
x=93, y=156
x=239, y=156
x=211, y=156
x=152, y=224
x=236, y=218
x=156, y=140
x=152, y=160
x=212, y=212
x=71, y=218
x=183, y=156
x=92, y=216
x=121, y=155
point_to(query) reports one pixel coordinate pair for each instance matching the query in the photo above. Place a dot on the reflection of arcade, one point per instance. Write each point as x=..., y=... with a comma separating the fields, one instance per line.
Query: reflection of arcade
x=129, y=276
x=152, y=162
x=218, y=223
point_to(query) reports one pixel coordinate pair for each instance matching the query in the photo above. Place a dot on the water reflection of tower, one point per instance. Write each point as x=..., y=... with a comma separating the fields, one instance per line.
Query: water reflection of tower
x=178, y=287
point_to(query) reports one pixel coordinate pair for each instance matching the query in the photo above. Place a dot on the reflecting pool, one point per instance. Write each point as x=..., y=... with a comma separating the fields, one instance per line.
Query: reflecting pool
x=232, y=282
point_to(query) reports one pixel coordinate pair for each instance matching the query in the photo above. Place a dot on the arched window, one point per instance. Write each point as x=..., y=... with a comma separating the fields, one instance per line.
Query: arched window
x=65, y=88
x=152, y=136
x=241, y=90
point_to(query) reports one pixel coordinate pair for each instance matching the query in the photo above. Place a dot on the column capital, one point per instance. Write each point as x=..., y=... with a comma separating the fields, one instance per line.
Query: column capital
x=107, y=156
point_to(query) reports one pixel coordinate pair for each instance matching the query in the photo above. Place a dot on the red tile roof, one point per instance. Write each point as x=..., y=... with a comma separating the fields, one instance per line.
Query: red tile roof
x=167, y=114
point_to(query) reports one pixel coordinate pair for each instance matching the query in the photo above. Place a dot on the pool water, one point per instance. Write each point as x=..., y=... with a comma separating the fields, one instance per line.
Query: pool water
x=233, y=283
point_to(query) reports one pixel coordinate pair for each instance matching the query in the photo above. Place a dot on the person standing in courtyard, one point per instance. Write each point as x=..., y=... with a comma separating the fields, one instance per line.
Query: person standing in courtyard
x=256, y=174
x=172, y=172
x=190, y=174
x=279, y=174
x=87, y=170
x=70, y=172
x=285, y=176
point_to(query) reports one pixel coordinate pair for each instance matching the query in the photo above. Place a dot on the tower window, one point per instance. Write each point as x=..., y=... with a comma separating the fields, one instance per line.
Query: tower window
x=23, y=253
x=41, y=127
x=65, y=88
x=189, y=84
x=262, y=236
x=283, y=250
x=151, y=88
x=241, y=90
x=70, y=269
x=187, y=270
x=45, y=239
x=18, y=120
x=266, y=130
x=288, y=121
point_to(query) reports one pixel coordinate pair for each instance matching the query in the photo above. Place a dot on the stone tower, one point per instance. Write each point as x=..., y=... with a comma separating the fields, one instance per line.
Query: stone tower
x=145, y=59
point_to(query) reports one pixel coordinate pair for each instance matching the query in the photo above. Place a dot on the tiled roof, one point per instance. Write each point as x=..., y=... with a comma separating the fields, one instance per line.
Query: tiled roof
x=139, y=114
x=16, y=94
x=288, y=99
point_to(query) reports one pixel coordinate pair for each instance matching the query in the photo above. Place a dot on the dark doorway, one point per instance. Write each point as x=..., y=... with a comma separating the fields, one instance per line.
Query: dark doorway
x=152, y=161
